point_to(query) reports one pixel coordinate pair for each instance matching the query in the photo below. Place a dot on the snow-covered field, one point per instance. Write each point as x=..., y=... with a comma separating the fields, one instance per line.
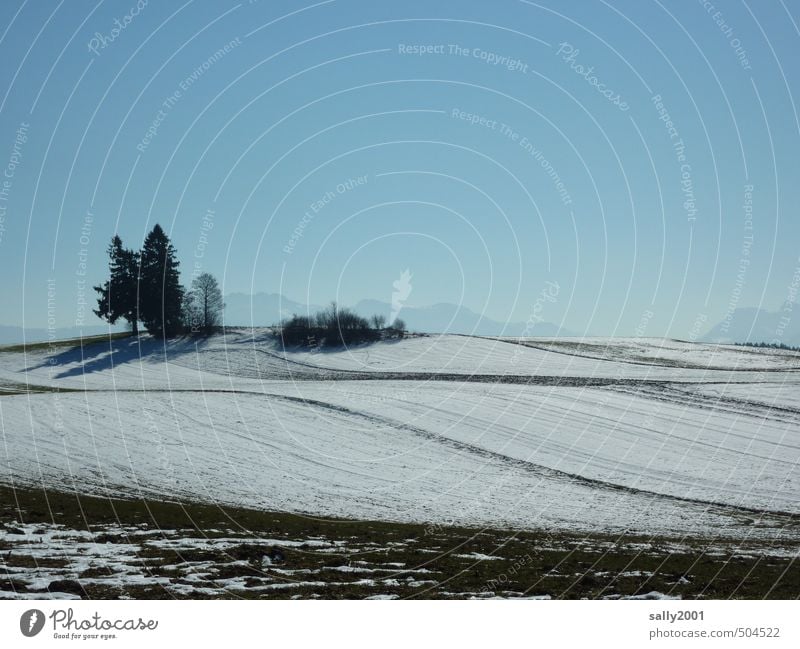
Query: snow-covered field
x=653, y=436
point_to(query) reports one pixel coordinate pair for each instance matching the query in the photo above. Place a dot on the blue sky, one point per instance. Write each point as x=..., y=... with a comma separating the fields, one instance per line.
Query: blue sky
x=258, y=110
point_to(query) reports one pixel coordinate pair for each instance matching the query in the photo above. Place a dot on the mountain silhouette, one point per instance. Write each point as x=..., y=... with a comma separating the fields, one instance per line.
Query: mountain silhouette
x=263, y=309
x=758, y=325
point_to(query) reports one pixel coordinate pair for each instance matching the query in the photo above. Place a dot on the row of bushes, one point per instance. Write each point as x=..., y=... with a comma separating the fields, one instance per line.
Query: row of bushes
x=770, y=346
x=335, y=326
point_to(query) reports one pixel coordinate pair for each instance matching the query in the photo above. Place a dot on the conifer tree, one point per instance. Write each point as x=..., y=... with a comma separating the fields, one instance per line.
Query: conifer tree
x=118, y=296
x=160, y=291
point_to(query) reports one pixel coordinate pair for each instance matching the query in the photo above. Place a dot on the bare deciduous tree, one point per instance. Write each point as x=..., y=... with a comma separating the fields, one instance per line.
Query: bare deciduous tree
x=204, y=309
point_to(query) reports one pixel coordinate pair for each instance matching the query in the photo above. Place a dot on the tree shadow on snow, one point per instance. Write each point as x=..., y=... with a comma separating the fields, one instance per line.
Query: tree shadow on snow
x=101, y=356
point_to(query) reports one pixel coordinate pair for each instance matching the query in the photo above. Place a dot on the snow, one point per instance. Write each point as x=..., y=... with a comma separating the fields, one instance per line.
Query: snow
x=664, y=445
x=668, y=351
x=244, y=359
x=508, y=595
x=777, y=395
x=470, y=355
x=657, y=440
x=5, y=594
x=46, y=553
x=653, y=595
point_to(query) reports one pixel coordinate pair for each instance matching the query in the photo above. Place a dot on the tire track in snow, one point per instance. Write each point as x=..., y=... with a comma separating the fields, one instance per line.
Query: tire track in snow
x=655, y=362
x=673, y=394
x=525, y=465
x=477, y=450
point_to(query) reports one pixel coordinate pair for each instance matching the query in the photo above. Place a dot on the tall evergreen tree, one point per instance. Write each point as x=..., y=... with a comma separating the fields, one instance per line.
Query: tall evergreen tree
x=160, y=291
x=118, y=296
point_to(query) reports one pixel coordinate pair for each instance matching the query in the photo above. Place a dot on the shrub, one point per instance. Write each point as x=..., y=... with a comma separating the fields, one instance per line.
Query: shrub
x=331, y=327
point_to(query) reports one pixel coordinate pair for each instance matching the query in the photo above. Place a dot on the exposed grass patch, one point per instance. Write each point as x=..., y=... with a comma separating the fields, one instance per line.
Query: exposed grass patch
x=199, y=550
x=64, y=343
x=8, y=388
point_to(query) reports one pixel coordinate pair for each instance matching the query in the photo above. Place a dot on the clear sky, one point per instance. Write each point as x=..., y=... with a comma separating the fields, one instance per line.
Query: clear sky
x=320, y=149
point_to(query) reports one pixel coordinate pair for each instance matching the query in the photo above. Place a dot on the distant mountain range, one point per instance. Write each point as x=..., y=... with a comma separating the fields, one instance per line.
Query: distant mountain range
x=758, y=325
x=263, y=309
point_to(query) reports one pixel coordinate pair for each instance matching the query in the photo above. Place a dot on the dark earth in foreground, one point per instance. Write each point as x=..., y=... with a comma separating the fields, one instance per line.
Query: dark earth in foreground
x=68, y=545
